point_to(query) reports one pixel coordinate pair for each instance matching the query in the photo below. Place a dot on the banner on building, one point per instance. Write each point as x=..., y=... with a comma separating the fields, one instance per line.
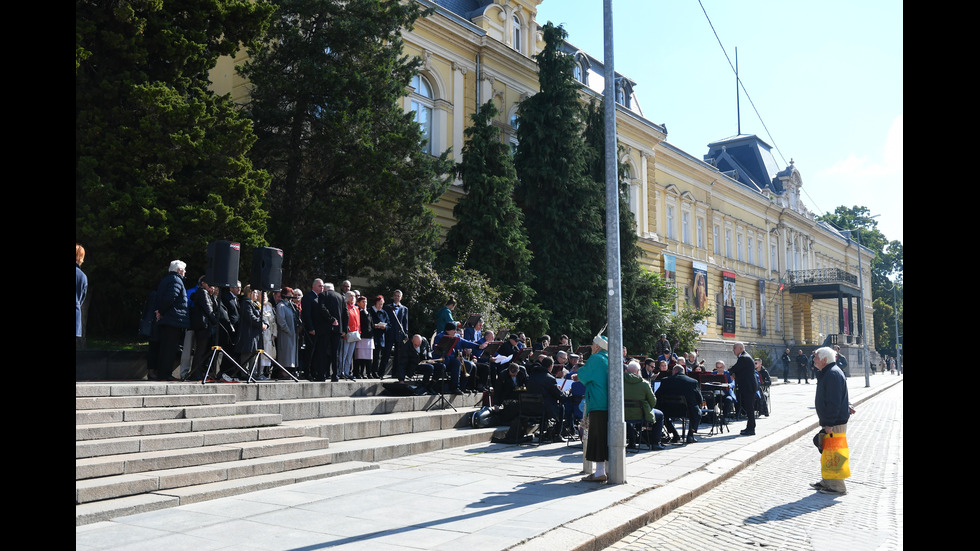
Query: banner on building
x=762, y=308
x=700, y=294
x=700, y=285
x=728, y=295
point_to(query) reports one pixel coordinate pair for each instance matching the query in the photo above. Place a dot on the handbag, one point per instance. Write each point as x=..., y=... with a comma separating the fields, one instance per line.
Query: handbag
x=834, y=459
x=353, y=336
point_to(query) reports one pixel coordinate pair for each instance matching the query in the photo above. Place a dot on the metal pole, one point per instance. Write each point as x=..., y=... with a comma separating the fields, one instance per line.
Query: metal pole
x=898, y=348
x=617, y=423
x=864, y=326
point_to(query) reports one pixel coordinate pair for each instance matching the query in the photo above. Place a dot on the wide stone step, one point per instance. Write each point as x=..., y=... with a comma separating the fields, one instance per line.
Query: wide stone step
x=131, y=463
x=167, y=400
x=318, y=408
x=136, y=444
x=356, y=427
x=123, y=429
x=92, y=416
x=106, y=509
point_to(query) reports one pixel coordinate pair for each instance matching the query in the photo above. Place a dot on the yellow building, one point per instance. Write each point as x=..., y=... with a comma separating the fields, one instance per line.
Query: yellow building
x=731, y=215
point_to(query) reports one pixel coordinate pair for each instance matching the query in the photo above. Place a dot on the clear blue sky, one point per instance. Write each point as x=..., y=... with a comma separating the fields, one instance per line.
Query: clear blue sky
x=826, y=78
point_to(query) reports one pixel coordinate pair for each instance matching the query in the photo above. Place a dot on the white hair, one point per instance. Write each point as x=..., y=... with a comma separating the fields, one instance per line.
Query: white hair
x=178, y=265
x=633, y=366
x=328, y=286
x=827, y=354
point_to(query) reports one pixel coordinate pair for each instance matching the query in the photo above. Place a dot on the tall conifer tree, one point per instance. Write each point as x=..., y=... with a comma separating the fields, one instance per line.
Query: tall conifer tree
x=561, y=203
x=350, y=181
x=161, y=166
x=490, y=228
x=646, y=299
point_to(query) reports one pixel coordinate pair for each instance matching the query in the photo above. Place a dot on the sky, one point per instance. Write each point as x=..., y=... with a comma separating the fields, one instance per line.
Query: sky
x=825, y=77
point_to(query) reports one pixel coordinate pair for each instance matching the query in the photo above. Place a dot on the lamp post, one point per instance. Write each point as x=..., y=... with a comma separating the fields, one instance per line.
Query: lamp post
x=864, y=325
x=898, y=347
x=614, y=311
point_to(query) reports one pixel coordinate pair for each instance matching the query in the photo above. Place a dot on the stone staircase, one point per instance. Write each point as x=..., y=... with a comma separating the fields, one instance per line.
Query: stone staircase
x=144, y=446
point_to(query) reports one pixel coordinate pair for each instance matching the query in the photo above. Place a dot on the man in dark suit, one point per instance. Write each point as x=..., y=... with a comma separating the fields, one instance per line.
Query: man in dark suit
x=680, y=384
x=330, y=321
x=310, y=306
x=508, y=381
x=417, y=358
x=541, y=381
x=395, y=336
x=745, y=385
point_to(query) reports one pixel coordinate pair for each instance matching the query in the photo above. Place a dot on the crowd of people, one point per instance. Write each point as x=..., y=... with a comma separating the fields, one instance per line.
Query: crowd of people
x=237, y=333
x=241, y=333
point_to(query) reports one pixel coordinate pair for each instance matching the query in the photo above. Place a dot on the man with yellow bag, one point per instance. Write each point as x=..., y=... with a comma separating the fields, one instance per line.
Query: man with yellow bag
x=833, y=411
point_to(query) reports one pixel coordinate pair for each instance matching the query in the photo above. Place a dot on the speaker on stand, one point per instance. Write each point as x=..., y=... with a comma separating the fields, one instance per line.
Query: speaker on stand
x=266, y=269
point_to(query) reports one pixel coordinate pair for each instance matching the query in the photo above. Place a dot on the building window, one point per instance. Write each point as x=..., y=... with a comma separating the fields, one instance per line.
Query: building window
x=741, y=247
x=748, y=250
x=517, y=34
x=686, y=227
x=422, y=106
x=759, y=257
x=670, y=222
x=715, y=234
x=577, y=73
x=752, y=317
x=728, y=242
x=700, y=232
x=773, y=258
x=741, y=311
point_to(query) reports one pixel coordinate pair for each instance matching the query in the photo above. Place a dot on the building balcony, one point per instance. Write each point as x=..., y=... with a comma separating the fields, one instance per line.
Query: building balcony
x=823, y=283
x=823, y=275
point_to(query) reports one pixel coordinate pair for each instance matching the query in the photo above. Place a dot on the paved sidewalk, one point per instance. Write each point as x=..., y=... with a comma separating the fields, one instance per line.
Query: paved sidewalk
x=487, y=497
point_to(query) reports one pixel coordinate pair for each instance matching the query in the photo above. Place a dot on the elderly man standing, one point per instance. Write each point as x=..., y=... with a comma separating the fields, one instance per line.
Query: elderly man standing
x=594, y=375
x=833, y=407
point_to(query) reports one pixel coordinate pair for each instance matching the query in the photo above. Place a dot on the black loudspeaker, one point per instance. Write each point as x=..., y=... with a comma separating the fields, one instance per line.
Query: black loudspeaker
x=223, y=259
x=266, y=269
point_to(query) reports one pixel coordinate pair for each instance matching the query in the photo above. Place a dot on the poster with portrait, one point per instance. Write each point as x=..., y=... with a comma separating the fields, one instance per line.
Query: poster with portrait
x=670, y=269
x=728, y=295
x=700, y=285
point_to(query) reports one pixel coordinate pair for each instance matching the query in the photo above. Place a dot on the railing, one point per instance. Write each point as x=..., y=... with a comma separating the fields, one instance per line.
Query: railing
x=823, y=275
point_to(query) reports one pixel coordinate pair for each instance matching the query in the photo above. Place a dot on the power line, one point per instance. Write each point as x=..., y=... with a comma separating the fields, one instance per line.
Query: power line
x=741, y=85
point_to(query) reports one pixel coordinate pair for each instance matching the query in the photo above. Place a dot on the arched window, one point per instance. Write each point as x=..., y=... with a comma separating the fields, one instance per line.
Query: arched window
x=422, y=106
x=517, y=33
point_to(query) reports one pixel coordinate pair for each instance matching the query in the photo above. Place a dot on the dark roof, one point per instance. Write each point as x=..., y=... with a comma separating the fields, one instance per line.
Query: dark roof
x=751, y=160
x=464, y=8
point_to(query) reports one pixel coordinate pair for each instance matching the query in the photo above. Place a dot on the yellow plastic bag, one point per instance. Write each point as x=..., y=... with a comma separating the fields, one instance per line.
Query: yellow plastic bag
x=834, y=460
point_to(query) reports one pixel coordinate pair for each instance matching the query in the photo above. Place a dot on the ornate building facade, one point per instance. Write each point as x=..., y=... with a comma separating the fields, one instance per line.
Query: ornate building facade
x=727, y=227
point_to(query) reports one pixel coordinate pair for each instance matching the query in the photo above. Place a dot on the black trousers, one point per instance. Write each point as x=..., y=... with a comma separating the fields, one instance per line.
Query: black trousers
x=746, y=400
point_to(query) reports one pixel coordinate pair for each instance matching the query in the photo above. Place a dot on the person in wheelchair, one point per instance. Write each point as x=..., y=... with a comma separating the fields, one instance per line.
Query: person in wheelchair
x=636, y=389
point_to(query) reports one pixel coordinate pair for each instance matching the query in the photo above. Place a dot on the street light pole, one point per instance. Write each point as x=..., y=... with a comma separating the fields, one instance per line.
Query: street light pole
x=614, y=308
x=864, y=325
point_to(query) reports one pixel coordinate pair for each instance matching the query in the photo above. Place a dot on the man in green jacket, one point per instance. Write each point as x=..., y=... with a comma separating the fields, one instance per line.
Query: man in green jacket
x=637, y=389
x=595, y=375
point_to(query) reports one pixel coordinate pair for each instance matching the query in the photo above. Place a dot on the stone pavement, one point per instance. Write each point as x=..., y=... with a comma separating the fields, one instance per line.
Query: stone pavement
x=485, y=497
x=770, y=505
